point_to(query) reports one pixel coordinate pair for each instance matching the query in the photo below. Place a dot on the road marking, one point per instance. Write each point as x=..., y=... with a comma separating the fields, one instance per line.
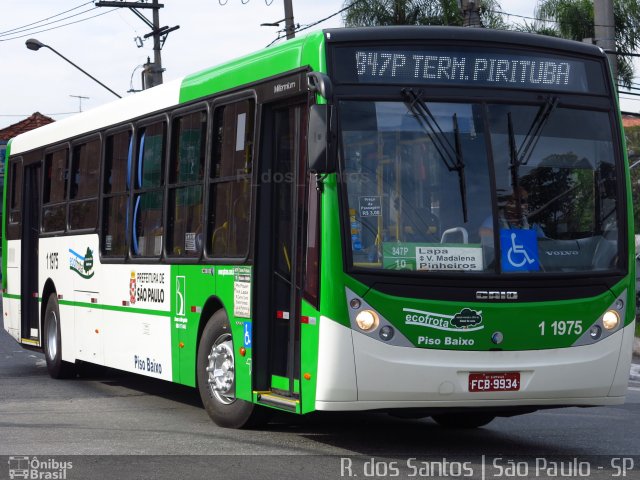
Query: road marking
x=41, y=363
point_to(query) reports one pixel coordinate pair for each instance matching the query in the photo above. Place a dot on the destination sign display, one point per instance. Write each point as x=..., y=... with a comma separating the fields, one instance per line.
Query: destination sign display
x=471, y=67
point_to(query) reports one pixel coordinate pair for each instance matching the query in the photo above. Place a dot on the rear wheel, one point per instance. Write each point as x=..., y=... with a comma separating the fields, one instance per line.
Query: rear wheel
x=56, y=367
x=463, y=420
x=217, y=381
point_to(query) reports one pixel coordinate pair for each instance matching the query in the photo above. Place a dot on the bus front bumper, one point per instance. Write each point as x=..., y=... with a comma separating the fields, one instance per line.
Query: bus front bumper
x=356, y=372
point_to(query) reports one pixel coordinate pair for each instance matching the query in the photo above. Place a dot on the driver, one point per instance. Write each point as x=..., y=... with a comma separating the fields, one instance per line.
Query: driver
x=512, y=215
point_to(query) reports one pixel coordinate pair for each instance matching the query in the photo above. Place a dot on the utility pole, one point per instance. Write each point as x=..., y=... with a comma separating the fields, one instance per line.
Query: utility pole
x=470, y=13
x=157, y=57
x=79, y=97
x=605, y=31
x=289, y=26
x=152, y=73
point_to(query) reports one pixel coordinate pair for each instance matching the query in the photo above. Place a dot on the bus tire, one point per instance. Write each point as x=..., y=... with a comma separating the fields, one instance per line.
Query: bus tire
x=463, y=420
x=215, y=371
x=56, y=367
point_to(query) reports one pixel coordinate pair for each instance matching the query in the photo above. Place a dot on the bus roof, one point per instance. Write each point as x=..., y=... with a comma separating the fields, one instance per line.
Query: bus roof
x=484, y=35
x=250, y=68
x=302, y=51
x=151, y=100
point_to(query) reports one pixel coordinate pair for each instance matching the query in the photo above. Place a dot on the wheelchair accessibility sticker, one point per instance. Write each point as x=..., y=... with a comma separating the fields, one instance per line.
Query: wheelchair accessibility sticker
x=247, y=334
x=519, y=250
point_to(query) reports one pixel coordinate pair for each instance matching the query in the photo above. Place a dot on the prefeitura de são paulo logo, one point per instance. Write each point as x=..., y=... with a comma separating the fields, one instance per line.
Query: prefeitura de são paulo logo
x=132, y=288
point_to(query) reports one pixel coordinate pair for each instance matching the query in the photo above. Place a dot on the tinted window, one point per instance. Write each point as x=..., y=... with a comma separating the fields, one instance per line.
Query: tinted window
x=54, y=210
x=230, y=194
x=148, y=227
x=84, y=185
x=115, y=206
x=185, y=223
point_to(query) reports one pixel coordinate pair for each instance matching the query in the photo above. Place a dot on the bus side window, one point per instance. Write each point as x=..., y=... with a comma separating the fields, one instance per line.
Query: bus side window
x=54, y=195
x=84, y=185
x=115, y=205
x=230, y=182
x=186, y=174
x=146, y=239
x=14, y=218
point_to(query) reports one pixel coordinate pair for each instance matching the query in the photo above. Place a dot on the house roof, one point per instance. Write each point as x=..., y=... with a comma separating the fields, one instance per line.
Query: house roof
x=630, y=120
x=34, y=121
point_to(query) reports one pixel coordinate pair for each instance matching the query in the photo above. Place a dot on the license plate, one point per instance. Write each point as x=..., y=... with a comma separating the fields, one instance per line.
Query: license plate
x=494, y=382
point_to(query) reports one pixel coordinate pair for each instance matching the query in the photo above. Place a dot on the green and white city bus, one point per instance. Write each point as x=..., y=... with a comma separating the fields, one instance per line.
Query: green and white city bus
x=420, y=221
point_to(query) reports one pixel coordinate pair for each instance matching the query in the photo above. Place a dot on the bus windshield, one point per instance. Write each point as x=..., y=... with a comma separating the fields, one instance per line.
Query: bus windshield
x=474, y=187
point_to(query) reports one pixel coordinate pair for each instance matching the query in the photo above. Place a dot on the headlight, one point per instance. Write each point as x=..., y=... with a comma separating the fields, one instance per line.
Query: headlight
x=610, y=319
x=367, y=320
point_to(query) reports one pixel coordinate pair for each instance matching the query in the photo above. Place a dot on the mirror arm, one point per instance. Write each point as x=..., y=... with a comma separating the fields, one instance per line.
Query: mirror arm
x=318, y=82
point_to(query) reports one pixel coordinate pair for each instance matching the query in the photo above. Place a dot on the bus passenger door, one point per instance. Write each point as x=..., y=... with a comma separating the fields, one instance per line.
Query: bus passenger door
x=31, y=189
x=278, y=259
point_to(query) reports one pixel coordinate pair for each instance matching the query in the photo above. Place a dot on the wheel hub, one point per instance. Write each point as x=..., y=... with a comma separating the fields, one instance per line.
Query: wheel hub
x=221, y=370
x=52, y=336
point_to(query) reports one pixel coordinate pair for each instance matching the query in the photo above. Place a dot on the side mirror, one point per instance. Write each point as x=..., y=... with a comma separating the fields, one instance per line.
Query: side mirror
x=319, y=156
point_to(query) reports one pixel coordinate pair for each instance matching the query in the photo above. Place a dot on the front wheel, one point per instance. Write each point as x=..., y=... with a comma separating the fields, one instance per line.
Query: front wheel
x=217, y=381
x=56, y=367
x=463, y=420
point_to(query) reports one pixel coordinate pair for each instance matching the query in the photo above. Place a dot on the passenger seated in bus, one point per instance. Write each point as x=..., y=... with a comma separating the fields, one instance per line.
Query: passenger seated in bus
x=420, y=225
x=511, y=216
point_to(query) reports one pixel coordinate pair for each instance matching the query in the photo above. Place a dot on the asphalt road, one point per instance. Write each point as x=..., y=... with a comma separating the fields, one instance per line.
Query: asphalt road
x=122, y=414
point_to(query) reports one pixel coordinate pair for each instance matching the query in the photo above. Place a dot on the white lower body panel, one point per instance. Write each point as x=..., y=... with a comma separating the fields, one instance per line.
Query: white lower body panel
x=356, y=372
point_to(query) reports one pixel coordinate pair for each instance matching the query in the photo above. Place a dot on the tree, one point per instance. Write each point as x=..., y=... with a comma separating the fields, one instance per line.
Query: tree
x=573, y=19
x=632, y=134
x=416, y=12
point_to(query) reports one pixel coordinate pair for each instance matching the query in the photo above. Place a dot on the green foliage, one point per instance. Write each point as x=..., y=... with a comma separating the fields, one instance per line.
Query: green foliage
x=574, y=19
x=416, y=12
x=632, y=135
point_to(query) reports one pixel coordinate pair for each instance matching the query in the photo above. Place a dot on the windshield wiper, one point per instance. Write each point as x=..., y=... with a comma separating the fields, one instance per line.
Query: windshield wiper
x=521, y=156
x=535, y=130
x=514, y=165
x=451, y=155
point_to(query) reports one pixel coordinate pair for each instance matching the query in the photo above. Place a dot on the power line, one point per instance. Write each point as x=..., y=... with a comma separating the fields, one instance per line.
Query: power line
x=27, y=29
x=44, y=19
x=628, y=88
x=306, y=27
x=59, y=26
x=330, y=16
x=523, y=16
x=549, y=20
x=27, y=115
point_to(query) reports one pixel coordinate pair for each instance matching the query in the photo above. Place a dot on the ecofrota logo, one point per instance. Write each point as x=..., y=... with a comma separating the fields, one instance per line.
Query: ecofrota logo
x=82, y=265
x=466, y=320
